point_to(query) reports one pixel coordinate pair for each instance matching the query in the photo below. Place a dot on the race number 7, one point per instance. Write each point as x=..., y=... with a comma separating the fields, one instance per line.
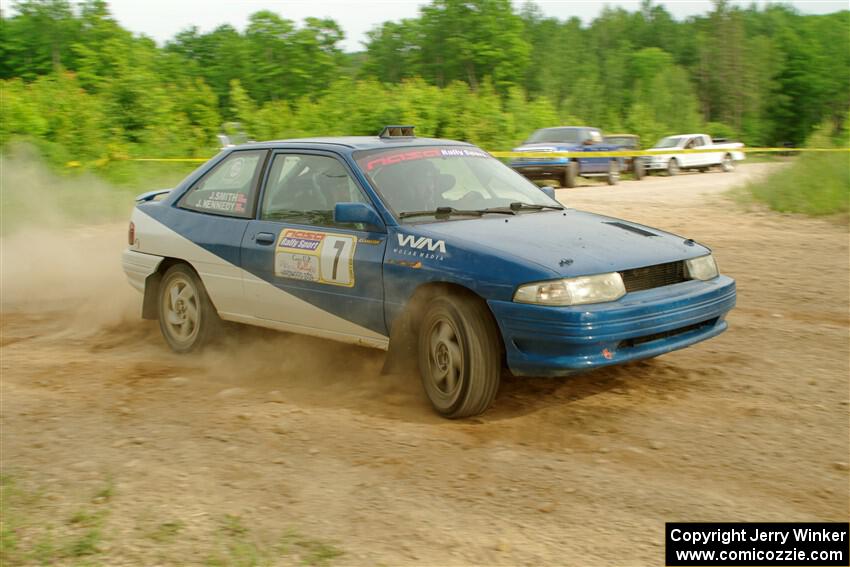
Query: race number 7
x=340, y=246
x=337, y=259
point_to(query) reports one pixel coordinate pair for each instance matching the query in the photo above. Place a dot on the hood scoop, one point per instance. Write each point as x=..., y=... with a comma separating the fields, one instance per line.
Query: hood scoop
x=630, y=228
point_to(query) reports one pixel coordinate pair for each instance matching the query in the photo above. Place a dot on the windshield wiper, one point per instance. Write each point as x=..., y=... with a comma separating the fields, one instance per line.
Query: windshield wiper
x=448, y=211
x=518, y=206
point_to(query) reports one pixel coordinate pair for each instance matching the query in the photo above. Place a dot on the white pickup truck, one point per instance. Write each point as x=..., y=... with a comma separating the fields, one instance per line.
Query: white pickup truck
x=671, y=159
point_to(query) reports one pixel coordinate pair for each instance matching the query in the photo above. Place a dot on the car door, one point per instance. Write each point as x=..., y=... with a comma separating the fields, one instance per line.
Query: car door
x=211, y=218
x=710, y=158
x=596, y=144
x=699, y=159
x=307, y=273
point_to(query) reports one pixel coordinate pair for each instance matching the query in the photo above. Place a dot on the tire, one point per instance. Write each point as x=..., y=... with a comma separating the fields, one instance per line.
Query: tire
x=459, y=355
x=638, y=169
x=613, y=172
x=673, y=167
x=727, y=164
x=570, y=174
x=187, y=319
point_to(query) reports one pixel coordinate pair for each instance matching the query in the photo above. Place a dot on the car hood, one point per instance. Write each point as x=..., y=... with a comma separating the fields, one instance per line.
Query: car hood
x=546, y=147
x=569, y=243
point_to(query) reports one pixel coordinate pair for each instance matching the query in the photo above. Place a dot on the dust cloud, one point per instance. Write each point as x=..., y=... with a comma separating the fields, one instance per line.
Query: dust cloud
x=35, y=196
x=61, y=244
x=60, y=258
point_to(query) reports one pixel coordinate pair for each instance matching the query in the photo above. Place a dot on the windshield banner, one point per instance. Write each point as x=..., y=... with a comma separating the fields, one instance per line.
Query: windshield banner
x=392, y=157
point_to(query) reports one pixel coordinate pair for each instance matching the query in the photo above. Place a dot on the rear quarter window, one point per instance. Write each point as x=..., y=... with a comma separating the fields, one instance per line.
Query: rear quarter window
x=228, y=189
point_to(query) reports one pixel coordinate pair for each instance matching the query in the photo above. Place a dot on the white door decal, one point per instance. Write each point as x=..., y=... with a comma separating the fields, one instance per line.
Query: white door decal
x=315, y=256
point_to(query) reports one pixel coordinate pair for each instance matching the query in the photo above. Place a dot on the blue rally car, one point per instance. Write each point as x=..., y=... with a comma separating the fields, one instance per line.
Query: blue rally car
x=429, y=248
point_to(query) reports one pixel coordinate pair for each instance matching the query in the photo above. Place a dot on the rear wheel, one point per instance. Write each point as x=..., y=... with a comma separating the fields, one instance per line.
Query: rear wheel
x=613, y=172
x=638, y=169
x=187, y=318
x=459, y=356
x=727, y=164
x=673, y=167
x=568, y=179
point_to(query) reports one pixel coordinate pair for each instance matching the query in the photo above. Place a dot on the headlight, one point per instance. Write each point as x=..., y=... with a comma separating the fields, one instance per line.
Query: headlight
x=573, y=291
x=702, y=268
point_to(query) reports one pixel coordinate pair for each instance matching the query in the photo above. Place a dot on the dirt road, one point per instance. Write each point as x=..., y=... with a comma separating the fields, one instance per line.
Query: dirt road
x=280, y=450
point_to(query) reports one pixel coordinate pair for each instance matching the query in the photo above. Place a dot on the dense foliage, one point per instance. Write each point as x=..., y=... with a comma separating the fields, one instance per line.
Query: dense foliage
x=86, y=89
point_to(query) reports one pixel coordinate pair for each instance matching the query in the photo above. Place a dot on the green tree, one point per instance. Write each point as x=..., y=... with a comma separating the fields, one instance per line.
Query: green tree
x=392, y=51
x=452, y=40
x=83, y=87
x=37, y=41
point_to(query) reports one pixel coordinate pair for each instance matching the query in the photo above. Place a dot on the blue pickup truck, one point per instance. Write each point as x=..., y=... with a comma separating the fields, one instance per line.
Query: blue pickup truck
x=432, y=249
x=563, y=169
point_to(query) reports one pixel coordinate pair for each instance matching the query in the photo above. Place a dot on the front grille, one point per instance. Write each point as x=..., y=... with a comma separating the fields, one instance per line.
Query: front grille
x=535, y=159
x=651, y=277
x=654, y=337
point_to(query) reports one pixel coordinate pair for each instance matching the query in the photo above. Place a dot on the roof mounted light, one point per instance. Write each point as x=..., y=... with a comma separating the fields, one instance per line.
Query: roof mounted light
x=397, y=132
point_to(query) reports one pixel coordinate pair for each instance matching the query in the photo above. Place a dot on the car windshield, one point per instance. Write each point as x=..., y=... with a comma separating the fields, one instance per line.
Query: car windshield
x=621, y=141
x=460, y=179
x=669, y=142
x=562, y=135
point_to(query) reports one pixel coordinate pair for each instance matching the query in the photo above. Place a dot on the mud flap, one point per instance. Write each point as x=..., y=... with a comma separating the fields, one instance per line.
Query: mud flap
x=150, y=309
x=401, y=356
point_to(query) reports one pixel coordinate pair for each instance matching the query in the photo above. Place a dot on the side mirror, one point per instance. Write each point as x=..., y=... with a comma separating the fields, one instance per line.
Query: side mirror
x=548, y=191
x=588, y=142
x=356, y=212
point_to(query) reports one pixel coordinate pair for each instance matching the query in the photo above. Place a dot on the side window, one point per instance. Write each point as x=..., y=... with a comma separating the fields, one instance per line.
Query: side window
x=304, y=189
x=228, y=189
x=596, y=136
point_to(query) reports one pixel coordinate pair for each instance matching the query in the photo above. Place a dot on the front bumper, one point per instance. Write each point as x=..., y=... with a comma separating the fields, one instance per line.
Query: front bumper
x=654, y=165
x=558, y=341
x=540, y=169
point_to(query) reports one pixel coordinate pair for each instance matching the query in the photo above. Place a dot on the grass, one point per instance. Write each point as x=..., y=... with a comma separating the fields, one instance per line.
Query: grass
x=773, y=157
x=27, y=541
x=232, y=526
x=242, y=549
x=105, y=494
x=33, y=533
x=813, y=184
x=166, y=532
x=311, y=552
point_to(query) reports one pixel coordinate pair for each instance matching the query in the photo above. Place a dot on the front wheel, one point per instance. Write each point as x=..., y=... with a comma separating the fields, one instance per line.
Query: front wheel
x=613, y=172
x=569, y=175
x=459, y=356
x=673, y=167
x=727, y=164
x=638, y=169
x=187, y=318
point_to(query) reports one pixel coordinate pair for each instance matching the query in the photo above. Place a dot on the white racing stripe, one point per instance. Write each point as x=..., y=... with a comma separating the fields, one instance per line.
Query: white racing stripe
x=239, y=295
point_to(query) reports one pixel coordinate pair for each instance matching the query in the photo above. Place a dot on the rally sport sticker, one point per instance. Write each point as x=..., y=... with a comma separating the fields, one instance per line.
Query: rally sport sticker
x=315, y=257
